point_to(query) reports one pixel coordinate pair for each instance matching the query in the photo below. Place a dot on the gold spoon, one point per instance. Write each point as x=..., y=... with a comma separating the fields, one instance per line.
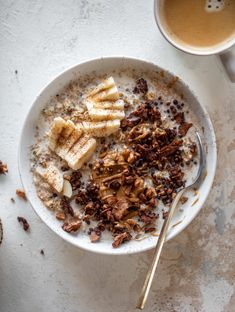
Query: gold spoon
x=164, y=230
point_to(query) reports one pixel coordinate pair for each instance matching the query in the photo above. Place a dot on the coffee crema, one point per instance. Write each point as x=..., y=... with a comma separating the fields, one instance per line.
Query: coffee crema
x=199, y=23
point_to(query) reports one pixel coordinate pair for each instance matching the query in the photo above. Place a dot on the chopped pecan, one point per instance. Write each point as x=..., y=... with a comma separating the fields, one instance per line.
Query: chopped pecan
x=24, y=223
x=94, y=236
x=120, y=209
x=170, y=148
x=60, y=215
x=179, y=118
x=130, y=122
x=90, y=208
x=72, y=225
x=183, y=128
x=148, y=217
x=121, y=238
x=21, y=194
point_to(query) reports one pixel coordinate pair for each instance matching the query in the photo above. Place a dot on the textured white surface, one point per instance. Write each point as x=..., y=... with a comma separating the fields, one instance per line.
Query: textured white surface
x=39, y=39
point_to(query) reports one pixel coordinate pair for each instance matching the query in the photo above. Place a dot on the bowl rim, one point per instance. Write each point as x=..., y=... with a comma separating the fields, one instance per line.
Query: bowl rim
x=171, y=235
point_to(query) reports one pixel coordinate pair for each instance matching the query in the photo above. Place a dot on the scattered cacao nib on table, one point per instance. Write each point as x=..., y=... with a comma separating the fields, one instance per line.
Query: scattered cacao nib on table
x=24, y=223
x=3, y=168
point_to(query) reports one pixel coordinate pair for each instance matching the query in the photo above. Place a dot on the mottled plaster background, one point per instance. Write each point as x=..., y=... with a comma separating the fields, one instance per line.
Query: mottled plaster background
x=38, y=40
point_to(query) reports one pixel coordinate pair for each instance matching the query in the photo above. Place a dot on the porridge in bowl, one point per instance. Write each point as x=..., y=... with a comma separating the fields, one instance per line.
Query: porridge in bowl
x=111, y=155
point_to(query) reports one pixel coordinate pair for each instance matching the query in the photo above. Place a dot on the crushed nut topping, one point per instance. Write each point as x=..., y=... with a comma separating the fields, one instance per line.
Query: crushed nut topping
x=72, y=225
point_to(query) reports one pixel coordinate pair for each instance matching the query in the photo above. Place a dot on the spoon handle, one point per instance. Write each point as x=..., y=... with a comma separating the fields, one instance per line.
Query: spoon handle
x=157, y=252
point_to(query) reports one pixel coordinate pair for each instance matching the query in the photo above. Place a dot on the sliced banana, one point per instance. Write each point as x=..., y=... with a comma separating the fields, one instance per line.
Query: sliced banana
x=103, y=102
x=105, y=114
x=65, y=143
x=101, y=129
x=58, y=124
x=107, y=95
x=81, y=152
x=53, y=176
x=115, y=105
x=70, y=143
x=106, y=84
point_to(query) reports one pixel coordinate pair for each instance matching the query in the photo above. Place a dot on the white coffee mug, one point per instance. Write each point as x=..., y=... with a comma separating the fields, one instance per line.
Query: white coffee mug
x=226, y=54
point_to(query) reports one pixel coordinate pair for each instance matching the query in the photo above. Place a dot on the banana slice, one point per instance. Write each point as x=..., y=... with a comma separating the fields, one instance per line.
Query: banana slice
x=115, y=105
x=70, y=142
x=53, y=176
x=103, y=102
x=58, y=125
x=67, y=140
x=105, y=114
x=101, y=129
x=106, y=95
x=81, y=152
x=106, y=84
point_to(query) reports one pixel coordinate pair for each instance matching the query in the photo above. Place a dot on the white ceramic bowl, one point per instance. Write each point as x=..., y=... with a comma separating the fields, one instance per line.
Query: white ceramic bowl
x=106, y=65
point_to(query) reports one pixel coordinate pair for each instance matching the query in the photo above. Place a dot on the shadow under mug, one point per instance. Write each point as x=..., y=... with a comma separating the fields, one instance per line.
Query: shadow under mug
x=223, y=50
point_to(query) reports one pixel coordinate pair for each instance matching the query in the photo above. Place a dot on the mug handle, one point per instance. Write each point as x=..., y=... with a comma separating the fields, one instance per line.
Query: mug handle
x=228, y=60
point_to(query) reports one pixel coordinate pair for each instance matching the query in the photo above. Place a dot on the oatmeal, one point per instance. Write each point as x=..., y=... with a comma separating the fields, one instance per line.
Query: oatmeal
x=112, y=156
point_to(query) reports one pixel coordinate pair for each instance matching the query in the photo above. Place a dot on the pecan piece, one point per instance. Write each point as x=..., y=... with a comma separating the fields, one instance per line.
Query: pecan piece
x=170, y=148
x=148, y=217
x=72, y=225
x=21, y=194
x=95, y=236
x=121, y=238
x=183, y=128
x=60, y=215
x=120, y=209
x=179, y=118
